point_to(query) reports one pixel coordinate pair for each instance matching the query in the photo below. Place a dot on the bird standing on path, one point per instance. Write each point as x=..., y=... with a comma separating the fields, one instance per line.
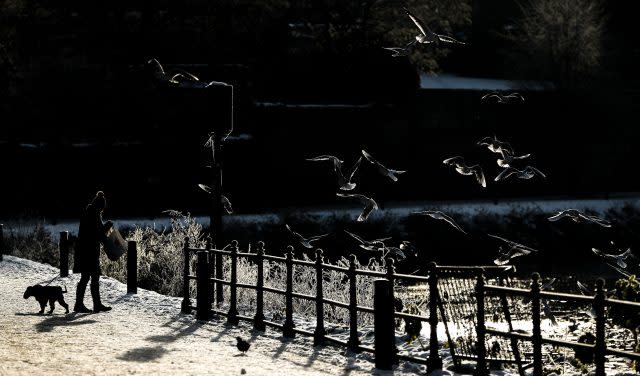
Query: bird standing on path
x=242, y=345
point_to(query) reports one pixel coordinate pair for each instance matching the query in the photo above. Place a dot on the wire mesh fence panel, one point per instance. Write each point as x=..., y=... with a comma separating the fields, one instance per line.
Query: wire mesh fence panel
x=275, y=277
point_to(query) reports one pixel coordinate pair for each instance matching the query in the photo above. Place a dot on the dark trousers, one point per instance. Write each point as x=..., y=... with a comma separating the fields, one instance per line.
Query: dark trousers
x=95, y=289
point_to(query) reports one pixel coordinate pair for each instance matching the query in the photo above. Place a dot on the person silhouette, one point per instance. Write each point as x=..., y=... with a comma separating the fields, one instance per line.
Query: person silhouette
x=91, y=232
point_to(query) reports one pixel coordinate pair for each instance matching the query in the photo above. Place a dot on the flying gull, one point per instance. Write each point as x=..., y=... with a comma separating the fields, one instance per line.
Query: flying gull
x=390, y=173
x=578, y=216
x=440, y=215
x=369, y=245
x=369, y=204
x=527, y=173
x=306, y=242
x=463, y=169
x=427, y=36
x=343, y=181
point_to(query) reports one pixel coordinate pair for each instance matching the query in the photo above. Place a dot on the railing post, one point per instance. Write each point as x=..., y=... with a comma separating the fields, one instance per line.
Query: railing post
x=354, y=341
x=385, y=337
x=391, y=269
x=203, y=282
x=212, y=259
x=481, y=349
x=287, y=329
x=186, y=300
x=232, y=315
x=1, y=240
x=63, y=245
x=434, y=362
x=258, y=320
x=132, y=267
x=319, y=332
x=600, y=347
x=536, y=335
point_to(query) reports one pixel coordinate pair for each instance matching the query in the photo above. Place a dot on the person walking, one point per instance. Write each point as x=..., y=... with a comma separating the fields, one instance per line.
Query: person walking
x=91, y=233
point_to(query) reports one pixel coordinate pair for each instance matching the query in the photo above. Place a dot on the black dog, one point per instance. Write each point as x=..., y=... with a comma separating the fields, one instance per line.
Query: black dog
x=44, y=294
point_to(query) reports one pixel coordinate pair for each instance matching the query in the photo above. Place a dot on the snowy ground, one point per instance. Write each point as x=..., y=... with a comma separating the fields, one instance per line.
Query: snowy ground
x=145, y=333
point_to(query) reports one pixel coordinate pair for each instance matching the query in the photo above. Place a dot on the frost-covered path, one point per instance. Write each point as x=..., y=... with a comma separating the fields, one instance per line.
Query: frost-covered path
x=144, y=334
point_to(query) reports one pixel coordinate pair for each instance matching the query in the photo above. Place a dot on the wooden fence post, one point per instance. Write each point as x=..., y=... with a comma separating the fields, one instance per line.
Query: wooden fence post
x=385, y=337
x=258, y=320
x=63, y=246
x=186, y=300
x=434, y=361
x=354, y=341
x=600, y=346
x=391, y=270
x=536, y=335
x=287, y=329
x=132, y=267
x=203, y=282
x=1, y=240
x=481, y=349
x=319, y=332
x=232, y=315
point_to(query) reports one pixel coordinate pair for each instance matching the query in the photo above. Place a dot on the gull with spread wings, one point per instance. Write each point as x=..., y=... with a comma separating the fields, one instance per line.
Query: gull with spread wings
x=306, y=242
x=369, y=204
x=402, y=51
x=503, y=98
x=508, y=158
x=495, y=145
x=514, y=250
x=368, y=245
x=617, y=259
x=463, y=169
x=436, y=214
x=527, y=173
x=223, y=199
x=427, y=36
x=390, y=173
x=578, y=216
x=344, y=181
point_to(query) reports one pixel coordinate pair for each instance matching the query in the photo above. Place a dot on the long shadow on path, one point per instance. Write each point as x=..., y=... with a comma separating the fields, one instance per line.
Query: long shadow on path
x=48, y=324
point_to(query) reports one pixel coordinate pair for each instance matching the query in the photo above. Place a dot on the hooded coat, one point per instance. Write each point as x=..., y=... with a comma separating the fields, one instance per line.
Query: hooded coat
x=91, y=233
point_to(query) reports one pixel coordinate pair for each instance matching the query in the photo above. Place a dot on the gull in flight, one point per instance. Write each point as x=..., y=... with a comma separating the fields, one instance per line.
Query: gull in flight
x=223, y=199
x=369, y=245
x=515, y=250
x=440, y=215
x=391, y=251
x=508, y=158
x=369, y=204
x=406, y=246
x=503, y=98
x=402, y=51
x=526, y=174
x=305, y=241
x=463, y=169
x=584, y=290
x=495, y=145
x=578, y=216
x=427, y=36
x=391, y=174
x=343, y=181
x=173, y=77
x=617, y=259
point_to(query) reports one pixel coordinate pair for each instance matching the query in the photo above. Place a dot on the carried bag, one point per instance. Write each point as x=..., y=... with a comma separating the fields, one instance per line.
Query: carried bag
x=114, y=244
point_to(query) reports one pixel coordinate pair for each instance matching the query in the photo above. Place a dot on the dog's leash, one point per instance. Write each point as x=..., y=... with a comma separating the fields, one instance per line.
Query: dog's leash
x=53, y=279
